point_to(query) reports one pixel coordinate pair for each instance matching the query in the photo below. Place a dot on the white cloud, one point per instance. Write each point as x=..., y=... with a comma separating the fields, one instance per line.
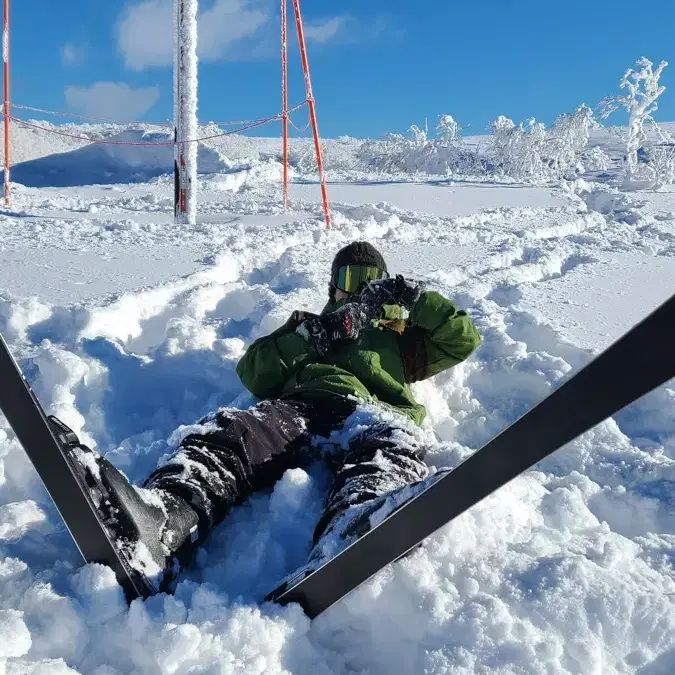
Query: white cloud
x=72, y=55
x=229, y=23
x=228, y=30
x=144, y=35
x=326, y=30
x=347, y=29
x=112, y=100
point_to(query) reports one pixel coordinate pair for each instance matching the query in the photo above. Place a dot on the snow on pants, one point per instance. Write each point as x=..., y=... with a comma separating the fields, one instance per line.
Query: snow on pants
x=238, y=452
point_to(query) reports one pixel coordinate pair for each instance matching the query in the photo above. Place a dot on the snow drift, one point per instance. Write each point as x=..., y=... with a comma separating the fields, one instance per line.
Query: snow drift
x=103, y=164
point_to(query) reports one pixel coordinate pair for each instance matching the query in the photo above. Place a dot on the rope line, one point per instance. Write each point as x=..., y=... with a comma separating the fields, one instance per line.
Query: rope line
x=252, y=125
x=297, y=128
x=165, y=123
x=86, y=117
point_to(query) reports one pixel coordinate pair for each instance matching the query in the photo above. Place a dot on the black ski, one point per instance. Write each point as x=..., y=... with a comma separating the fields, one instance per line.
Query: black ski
x=49, y=445
x=640, y=361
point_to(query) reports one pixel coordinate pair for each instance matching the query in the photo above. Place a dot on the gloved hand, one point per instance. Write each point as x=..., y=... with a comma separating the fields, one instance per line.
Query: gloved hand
x=393, y=291
x=344, y=323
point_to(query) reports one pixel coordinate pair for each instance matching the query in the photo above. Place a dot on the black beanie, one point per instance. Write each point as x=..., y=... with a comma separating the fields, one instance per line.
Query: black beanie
x=358, y=253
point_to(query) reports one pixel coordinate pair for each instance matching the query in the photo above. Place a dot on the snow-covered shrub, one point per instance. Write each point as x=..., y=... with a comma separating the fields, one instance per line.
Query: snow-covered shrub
x=419, y=137
x=339, y=157
x=518, y=150
x=415, y=152
x=531, y=152
x=643, y=89
x=504, y=133
x=448, y=129
x=596, y=159
x=302, y=159
x=566, y=140
x=391, y=153
x=662, y=163
x=526, y=151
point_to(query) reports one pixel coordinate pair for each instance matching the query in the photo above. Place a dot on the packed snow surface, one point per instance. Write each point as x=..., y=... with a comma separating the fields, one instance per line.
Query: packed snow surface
x=129, y=328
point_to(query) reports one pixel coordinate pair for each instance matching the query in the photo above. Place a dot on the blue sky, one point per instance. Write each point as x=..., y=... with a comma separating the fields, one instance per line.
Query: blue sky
x=377, y=66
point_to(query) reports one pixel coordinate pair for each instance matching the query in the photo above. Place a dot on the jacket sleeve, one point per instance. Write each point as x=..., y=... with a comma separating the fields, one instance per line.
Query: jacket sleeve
x=272, y=360
x=438, y=337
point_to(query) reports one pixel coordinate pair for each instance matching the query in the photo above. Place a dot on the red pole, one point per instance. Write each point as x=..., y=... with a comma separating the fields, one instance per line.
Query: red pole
x=5, y=55
x=284, y=92
x=312, y=111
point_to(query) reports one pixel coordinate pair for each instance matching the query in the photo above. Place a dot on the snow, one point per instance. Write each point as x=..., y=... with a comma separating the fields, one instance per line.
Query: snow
x=15, y=636
x=441, y=198
x=112, y=162
x=129, y=329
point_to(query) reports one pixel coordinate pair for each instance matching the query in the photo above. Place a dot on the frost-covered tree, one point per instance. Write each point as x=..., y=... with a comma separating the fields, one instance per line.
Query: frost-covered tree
x=448, y=129
x=411, y=153
x=642, y=91
x=503, y=130
x=418, y=137
x=596, y=159
x=662, y=163
x=517, y=150
x=533, y=149
x=567, y=138
x=415, y=152
x=395, y=151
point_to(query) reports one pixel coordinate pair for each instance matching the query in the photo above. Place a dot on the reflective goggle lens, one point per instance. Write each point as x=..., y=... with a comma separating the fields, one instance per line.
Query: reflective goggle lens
x=350, y=278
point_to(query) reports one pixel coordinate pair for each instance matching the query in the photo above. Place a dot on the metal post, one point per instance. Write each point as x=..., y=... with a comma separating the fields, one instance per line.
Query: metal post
x=284, y=92
x=5, y=56
x=312, y=111
x=185, y=110
x=177, y=5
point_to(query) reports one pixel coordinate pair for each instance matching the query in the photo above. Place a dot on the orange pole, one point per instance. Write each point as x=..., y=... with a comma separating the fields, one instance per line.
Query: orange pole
x=284, y=91
x=5, y=55
x=312, y=111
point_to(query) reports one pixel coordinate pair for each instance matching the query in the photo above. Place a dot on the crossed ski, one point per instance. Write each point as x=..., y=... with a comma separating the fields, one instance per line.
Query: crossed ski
x=643, y=359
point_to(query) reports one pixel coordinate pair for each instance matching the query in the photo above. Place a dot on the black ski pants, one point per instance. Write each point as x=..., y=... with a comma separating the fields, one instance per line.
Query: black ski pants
x=237, y=452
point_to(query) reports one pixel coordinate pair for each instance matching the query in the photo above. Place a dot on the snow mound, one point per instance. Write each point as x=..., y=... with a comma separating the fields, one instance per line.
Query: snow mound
x=14, y=636
x=104, y=164
x=610, y=202
x=246, y=177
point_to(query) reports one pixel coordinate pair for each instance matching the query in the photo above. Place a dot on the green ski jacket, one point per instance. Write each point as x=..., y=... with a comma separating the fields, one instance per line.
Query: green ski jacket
x=377, y=367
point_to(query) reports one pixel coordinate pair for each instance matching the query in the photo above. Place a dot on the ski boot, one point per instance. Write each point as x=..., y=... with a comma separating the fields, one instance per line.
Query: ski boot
x=154, y=530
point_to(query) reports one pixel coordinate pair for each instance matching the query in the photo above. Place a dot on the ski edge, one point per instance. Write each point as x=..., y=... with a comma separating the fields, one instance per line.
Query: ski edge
x=101, y=548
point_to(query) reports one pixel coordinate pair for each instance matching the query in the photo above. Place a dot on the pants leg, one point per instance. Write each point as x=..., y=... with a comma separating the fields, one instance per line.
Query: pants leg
x=234, y=454
x=380, y=460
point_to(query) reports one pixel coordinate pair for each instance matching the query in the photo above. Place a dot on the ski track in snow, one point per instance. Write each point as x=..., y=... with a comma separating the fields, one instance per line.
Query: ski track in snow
x=568, y=569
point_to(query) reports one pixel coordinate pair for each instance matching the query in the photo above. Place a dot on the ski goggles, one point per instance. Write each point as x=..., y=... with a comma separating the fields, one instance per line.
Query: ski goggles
x=351, y=278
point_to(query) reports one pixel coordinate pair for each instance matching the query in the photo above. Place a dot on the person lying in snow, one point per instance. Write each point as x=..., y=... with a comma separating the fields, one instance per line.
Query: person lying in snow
x=311, y=375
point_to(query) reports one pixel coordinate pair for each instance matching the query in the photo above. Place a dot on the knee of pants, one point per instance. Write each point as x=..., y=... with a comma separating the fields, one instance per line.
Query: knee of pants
x=226, y=438
x=365, y=447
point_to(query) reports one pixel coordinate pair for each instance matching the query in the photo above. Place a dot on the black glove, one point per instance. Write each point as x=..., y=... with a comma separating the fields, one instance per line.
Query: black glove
x=393, y=291
x=344, y=323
